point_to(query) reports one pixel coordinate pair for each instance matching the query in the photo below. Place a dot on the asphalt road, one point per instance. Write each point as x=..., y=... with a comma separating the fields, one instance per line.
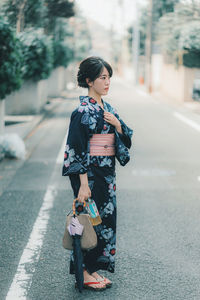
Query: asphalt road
x=158, y=194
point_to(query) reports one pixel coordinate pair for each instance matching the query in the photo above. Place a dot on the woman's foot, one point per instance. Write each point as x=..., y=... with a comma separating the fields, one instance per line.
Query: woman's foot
x=91, y=282
x=101, y=278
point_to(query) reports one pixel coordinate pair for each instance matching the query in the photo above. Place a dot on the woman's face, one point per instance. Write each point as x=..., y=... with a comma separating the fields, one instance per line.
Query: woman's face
x=101, y=84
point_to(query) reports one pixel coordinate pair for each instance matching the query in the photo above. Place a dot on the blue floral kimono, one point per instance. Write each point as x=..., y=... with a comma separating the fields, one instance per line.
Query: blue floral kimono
x=87, y=120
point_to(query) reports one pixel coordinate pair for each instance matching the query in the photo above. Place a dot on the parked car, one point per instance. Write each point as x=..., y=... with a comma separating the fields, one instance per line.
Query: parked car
x=196, y=90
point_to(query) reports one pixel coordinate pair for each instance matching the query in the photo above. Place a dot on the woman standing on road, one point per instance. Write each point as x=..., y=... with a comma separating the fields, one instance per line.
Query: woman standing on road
x=96, y=136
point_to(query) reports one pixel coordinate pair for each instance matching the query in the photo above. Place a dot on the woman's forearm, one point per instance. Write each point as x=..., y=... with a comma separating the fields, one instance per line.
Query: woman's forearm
x=83, y=179
x=84, y=190
x=119, y=128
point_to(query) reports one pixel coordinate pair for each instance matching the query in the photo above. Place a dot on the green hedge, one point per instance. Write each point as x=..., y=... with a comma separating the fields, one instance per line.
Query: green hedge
x=192, y=59
x=30, y=56
x=62, y=54
x=10, y=60
x=38, y=55
x=190, y=42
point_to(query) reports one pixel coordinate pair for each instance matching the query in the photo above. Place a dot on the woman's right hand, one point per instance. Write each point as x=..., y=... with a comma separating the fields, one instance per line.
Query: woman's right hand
x=84, y=193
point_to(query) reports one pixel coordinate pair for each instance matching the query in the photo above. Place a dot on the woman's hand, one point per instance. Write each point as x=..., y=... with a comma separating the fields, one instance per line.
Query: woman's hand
x=84, y=193
x=110, y=118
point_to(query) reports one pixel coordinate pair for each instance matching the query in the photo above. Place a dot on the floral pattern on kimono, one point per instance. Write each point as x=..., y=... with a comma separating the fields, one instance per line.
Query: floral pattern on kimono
x=85, y=121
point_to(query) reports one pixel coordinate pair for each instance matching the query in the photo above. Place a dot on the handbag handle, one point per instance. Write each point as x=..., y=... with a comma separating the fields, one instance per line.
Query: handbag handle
x=74, y=206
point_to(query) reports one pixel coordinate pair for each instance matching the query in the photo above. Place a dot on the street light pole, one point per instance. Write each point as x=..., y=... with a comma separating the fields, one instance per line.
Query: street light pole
x=149, y=48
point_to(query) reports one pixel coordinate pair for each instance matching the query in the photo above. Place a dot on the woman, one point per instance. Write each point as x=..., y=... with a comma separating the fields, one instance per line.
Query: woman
x=96, y=135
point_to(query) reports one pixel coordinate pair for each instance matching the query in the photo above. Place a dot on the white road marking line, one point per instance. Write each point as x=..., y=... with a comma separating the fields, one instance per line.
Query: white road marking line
x=60, y=157
x=153, y=172
x=23, y=277
x=187, y=121
x=31, y=254
x=198, y=178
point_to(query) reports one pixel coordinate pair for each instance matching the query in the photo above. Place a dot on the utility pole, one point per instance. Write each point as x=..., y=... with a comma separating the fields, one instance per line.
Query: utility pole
x=113, y=35
x=121, y=54
x=136, y=43
x=149, y=48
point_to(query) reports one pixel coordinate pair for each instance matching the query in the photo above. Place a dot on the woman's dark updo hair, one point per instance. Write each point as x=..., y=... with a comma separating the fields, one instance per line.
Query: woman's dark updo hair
x=91, y=68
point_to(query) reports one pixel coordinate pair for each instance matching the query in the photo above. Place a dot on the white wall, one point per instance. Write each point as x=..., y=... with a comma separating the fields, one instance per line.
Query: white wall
x=174, y=82
x=56, y=82
x=33, y=95
x=28, y=100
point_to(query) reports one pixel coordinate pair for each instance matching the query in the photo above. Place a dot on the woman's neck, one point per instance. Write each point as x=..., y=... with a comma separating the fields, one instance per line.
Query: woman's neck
x=95, y=96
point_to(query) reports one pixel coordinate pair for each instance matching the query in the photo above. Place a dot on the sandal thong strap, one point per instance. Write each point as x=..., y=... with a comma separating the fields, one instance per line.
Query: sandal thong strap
x=90, y=282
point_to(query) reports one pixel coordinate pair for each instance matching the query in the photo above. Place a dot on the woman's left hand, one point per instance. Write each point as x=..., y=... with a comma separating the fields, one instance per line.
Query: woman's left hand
x=110, y=118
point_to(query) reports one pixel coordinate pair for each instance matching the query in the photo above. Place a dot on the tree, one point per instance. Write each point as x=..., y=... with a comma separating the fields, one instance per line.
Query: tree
x=143, y=29
x=57, y=9
x=63, y=54
x=189, y=44
x=37, y=55
x=10, y=65
x=160, y=8
x=82, y=40
x=37, y=13
x=179, y=36
x=10, y=60
x=25, y=13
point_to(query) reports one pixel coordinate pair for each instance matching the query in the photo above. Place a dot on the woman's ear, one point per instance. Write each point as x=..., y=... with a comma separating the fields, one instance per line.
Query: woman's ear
x=89, y=82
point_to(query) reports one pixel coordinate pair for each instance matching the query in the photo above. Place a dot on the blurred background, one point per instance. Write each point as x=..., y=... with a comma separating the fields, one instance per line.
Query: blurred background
x=154, y=49
x=152, y=43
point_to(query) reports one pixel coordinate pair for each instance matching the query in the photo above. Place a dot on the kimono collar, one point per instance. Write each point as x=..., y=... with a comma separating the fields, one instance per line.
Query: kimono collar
x=83, y=98
x=89, y=100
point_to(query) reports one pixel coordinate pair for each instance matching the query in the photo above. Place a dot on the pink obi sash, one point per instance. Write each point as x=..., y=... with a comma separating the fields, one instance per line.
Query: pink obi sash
x=102, y=144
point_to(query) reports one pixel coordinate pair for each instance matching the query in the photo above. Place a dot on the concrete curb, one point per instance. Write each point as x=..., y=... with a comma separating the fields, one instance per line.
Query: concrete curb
x=24, y=125
x=21, y=127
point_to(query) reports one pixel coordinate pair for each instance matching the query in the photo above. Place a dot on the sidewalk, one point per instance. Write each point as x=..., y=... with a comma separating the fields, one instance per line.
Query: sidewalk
x=24, y=125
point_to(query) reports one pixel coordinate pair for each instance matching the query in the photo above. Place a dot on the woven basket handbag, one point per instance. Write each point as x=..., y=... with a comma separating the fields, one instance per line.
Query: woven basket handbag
x=88, y=238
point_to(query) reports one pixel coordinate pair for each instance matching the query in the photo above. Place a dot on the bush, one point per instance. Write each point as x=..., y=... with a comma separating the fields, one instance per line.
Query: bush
x=33, y=12
x=62, y=54
x=179, y=34
x=192, y=59
x=10, y=60
x=190, y=41
x=37, y=54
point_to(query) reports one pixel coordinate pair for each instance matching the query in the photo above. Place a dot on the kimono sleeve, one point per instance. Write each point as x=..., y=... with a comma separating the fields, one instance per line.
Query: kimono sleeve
x=76, y=156
x=126, y=134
